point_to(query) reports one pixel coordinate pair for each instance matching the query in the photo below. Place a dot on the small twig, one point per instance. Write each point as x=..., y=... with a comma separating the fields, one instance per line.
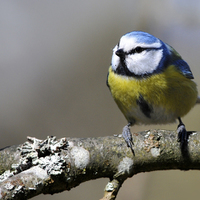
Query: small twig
x=111, y=189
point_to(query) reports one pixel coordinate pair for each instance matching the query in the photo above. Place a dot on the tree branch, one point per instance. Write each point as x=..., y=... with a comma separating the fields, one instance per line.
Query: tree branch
x=50, y=166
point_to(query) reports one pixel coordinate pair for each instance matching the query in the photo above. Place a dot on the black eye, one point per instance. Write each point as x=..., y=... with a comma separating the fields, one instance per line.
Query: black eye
x=138, y=49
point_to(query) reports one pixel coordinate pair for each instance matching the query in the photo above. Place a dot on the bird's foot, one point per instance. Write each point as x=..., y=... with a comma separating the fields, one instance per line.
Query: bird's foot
x=126, y=133
x=182, y=133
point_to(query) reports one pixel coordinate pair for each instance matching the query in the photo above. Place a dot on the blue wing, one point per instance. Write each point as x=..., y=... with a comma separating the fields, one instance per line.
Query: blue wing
x=180, y=64
x=183, y=67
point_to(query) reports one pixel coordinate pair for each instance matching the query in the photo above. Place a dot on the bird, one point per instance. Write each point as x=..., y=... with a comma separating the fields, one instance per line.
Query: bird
x=150, y=83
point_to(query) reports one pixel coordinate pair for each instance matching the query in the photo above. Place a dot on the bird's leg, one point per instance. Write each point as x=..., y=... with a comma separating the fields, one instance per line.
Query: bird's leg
x=126, y=133
x=182, y=133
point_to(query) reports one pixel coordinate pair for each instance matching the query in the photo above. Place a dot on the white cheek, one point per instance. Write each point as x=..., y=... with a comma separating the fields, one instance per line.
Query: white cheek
x=115, y=59
x=145, y=62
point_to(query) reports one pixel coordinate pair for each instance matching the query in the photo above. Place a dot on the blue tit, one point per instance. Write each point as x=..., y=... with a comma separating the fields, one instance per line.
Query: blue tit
x=150, y=83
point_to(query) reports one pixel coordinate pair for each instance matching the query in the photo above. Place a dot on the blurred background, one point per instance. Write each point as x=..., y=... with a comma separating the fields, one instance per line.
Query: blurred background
x=54, y=57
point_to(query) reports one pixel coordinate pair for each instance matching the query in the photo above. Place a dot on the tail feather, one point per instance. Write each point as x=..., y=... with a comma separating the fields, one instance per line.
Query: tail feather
x=198, y=99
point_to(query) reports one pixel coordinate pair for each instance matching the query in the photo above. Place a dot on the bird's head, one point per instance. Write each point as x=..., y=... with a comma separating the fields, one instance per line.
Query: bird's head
x=139, y=54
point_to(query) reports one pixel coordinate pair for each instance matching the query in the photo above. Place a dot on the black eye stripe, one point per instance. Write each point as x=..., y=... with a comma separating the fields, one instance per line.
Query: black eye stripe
x=140, y=49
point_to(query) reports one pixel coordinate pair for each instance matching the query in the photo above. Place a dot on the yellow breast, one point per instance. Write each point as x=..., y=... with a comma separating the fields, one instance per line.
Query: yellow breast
x=170, y=94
